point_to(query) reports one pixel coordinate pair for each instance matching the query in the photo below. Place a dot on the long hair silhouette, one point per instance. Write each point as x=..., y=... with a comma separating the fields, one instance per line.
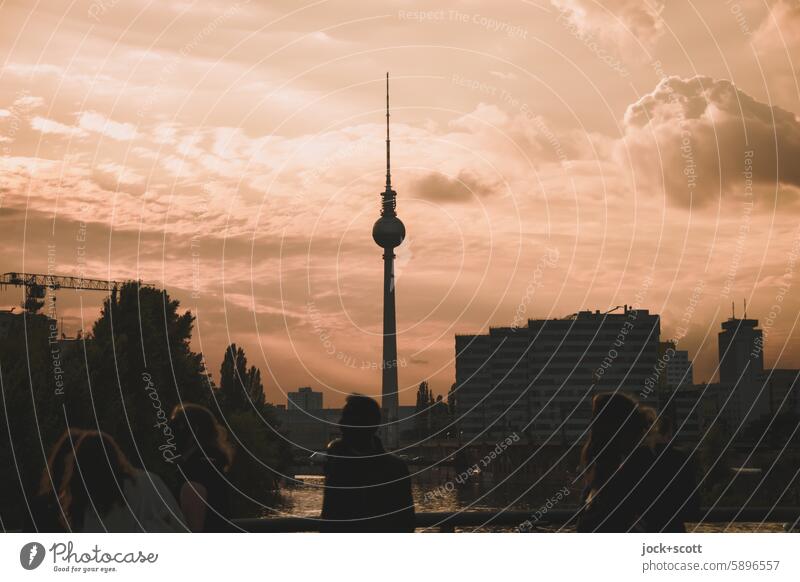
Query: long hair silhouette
x=53, y=474
x=196, y=426
x=618, y=427
x=94, y=478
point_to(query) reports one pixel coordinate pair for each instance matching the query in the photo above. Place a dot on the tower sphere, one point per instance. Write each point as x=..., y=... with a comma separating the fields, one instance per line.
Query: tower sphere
x=388, y=232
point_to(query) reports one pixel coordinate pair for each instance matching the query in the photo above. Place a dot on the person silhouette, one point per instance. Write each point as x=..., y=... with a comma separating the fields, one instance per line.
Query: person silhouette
x=103, y=492
x=366, y=488
x=46, y=514
x=672, y=479
x=616, y=459
x=206, y=457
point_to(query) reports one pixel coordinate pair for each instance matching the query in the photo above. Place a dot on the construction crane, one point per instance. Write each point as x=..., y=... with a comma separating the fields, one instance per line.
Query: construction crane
x=35, y=285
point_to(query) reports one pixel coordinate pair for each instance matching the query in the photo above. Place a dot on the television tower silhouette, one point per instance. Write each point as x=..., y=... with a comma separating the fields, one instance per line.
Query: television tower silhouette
x=388, y=233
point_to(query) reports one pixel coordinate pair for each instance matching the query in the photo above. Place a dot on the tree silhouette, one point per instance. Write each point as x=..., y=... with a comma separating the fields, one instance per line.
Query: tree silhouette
x=140, y=358
x=240, y=387
x=431, y=413
x=124, y=377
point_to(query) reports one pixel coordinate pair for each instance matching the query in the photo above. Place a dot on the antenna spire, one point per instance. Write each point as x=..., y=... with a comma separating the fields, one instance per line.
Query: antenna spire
x=388, y=171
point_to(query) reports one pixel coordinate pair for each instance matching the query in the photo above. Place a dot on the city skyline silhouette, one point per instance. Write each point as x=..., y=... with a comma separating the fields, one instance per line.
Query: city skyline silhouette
x=549, y=286
x=252, y=201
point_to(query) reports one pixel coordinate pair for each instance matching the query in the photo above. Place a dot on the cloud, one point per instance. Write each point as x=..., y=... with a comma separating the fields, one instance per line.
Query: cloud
x=462, y=188
x=776, y=40
x=29, y=70
x=98, y=123
x=476, y=121
x=28, y=102
x=615, y=20
x=88, y=121
x=781, y=27
x=122, y=174
x=48, y=126
x=706, y=138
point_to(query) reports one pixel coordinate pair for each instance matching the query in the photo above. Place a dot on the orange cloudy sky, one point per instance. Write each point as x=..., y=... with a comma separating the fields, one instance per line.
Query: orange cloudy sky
x=548, y=157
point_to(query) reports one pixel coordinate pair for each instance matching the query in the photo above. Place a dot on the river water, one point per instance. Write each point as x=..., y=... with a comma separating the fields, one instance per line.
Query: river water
x=304, y=498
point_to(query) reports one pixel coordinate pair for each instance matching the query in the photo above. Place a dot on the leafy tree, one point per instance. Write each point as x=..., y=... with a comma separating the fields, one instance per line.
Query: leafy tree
x=124, y=377
x=141, y=365
x=35, y=408
x=240, y=387
x=431, y=413
x=424, y=397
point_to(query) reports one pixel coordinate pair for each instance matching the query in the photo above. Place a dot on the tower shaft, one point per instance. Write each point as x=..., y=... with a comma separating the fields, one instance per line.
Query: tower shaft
x=389, y=396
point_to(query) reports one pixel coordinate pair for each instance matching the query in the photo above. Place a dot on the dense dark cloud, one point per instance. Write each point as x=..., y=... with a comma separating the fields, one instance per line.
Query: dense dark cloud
x=706, y=138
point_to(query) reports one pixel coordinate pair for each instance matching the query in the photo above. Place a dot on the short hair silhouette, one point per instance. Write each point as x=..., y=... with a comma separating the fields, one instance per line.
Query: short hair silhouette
x=366, y=488
x=361, y=417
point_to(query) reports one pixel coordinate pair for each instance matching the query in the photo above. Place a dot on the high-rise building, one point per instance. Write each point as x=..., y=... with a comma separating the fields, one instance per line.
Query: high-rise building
x=675, y=397
x=741, y=372
x=539, y=380
x=304, y=399
x=741, y=354
x=388, y=233
x=679, y=369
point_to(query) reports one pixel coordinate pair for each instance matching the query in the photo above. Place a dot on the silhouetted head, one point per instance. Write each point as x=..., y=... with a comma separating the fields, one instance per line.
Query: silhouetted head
x=94, y=478
x=618, y=427
x=53, y=473
x=361, y=417
x=196, y=426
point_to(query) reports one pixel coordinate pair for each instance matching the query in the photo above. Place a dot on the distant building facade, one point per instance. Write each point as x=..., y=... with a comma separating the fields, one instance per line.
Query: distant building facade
x=745, y=393
x=783, y=386
x=304, y=399
x=740, y=348
x=309, y=431
x=539, y=380
x=741, y=372
x=679, y=370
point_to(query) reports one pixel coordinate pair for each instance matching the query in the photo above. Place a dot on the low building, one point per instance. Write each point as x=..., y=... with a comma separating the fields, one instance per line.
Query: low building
x=304, y=399
x=308, y=430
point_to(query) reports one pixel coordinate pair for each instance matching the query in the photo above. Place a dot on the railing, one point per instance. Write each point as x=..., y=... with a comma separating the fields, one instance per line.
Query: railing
x=447, y=522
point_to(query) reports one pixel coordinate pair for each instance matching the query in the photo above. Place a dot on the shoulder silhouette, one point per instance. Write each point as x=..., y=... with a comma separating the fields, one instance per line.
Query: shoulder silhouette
x=366, y=488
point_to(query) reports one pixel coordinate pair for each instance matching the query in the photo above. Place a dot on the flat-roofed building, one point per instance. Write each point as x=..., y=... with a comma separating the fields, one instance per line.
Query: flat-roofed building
x=304, y=399
x=538, y=380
